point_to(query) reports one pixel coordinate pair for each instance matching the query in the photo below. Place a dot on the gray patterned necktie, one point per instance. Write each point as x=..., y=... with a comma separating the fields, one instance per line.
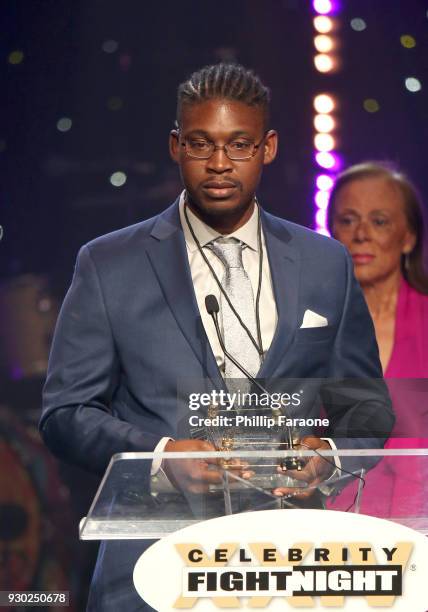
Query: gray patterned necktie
x=237, y=285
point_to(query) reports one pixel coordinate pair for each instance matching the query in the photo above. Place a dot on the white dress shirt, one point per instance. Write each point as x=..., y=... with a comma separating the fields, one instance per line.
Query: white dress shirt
x=204, y=284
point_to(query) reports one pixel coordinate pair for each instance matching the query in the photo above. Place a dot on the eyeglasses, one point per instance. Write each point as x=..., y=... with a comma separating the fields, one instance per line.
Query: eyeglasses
x=236, y=150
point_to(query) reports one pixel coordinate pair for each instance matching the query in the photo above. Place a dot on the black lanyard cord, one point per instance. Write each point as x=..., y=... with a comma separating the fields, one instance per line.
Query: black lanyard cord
x=259, y=285
x=259, y=345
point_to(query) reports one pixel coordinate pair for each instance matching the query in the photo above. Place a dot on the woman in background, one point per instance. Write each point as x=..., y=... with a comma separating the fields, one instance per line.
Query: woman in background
x=376, y=213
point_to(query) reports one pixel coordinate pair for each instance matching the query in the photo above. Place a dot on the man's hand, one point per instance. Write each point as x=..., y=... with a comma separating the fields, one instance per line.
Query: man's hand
x=316, y=470
x=195, y=475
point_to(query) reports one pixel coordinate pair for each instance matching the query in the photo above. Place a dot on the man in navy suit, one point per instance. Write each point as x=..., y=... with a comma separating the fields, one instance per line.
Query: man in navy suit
x=133, y=324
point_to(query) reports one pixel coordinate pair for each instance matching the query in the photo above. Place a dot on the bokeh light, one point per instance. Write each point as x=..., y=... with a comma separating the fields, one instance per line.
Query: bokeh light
x=16, y=57
x=324, y=142
x=323, y=103
x=118, y=179
x=323, y=24
x=321, y=217
x=322, y=199
x=324, y=182
x=371, y=105
x=323, y=43
x=408, y=41
x=323, y=230
x=323, y=62
x=324, y=123
x=413, y=84
x=64, y=124
x=323, y=6
x=110, y=46
x=358, y=24
x=44, y=305
x=326, y=60
x=327, y=160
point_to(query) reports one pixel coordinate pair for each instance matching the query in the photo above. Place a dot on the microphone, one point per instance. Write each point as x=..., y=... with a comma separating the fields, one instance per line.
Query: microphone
x=212, y=306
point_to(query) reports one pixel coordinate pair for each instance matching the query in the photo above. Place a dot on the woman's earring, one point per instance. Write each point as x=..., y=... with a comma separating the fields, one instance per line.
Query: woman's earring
x=406, y=261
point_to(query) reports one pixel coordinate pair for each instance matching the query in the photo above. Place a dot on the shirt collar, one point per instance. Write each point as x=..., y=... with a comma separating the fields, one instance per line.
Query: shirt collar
x=205, y=234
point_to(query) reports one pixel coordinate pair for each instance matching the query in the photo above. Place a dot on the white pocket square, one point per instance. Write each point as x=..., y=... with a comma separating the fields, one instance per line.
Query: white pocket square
x=313, y=319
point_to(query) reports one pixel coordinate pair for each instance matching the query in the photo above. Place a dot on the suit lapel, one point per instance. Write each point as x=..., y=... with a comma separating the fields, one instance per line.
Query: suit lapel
x=284, y=261
x=168, y=256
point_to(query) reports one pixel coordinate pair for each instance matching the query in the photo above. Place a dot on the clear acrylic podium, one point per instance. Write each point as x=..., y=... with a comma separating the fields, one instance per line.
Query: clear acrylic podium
x=131, y=503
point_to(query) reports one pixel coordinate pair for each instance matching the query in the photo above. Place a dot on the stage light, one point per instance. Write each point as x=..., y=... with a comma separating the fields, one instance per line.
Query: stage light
x=321, y=199
x=118, y=179
x=110, y=46
x=371, y=105
x=323, y=230
x=326, y=60
x=323, y=43
x=323, y=63
x=15, y=57
x=324, y=182
x=321, y=217
x=408, y=41
x=64, y=124
x=323, y=24
x=413, y=84
x=358, y=24
x=323, y=6
x=325, y=159
x=324, y=142
x=323, y=103
x=324, y=123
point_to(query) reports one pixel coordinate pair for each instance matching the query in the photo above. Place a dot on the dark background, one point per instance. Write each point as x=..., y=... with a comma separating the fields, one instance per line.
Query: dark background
x=55, y=192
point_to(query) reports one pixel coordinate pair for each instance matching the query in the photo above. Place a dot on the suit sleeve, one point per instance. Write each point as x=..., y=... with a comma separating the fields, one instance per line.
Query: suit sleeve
x=356, y=398
x=83, y=373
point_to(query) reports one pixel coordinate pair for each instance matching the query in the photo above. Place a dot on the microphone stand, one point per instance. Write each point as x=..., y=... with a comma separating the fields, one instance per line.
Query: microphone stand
x=289, y=463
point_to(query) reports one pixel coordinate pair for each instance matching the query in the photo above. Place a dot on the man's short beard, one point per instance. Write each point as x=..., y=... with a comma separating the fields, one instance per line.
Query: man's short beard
x=216, y=211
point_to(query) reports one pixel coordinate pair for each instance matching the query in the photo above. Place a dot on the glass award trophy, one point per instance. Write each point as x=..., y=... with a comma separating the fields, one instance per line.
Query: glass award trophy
x=251, y=423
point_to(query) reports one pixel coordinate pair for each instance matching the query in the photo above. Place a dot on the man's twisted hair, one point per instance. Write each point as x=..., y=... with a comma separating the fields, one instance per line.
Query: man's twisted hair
x=224, y=81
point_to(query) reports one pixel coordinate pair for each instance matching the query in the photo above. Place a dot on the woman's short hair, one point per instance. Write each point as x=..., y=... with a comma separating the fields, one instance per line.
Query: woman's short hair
x=412, y=266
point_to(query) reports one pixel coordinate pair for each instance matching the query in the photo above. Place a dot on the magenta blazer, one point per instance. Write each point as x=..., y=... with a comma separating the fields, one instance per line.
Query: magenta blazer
x=398, y=487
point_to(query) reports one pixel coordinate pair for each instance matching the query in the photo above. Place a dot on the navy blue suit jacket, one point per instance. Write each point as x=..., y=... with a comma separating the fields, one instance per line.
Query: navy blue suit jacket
x=129, y=330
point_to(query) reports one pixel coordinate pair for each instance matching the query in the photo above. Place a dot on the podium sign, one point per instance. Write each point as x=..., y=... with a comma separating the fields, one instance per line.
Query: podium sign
x=287, y=559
